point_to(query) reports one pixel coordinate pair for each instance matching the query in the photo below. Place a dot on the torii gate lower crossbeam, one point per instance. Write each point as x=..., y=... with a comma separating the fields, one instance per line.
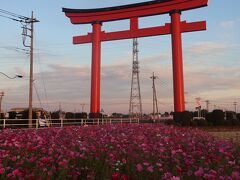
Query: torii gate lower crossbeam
x=97, y=16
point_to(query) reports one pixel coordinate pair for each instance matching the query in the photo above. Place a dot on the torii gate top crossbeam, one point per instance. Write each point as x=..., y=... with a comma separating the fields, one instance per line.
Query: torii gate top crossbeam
x=86, y=16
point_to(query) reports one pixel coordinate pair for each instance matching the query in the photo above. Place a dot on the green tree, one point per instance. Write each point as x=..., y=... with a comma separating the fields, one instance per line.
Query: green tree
x=218, y=117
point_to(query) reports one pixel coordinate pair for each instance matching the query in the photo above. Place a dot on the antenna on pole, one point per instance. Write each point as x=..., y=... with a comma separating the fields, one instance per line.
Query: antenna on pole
x=198, y=106
x=235, y=106
x=82, y=105
x=135, y=105
x=207, y=105
x=155, y=102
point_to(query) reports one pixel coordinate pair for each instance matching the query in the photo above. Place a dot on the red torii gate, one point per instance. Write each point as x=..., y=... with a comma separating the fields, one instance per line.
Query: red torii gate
x=133, y=11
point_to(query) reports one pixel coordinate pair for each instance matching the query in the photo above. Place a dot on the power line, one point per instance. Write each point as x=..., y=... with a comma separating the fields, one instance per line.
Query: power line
x=11, y=14
x=10, y=18
x=39, y=100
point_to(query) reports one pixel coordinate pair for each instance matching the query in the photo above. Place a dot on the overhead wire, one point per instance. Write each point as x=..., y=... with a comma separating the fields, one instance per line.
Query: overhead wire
x=23, y=20
x=10, y=18
x=14, y=14
x=43, y=81
x=38, y=97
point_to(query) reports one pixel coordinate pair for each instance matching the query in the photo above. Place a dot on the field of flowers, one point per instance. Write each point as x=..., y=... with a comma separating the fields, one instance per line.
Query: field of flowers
x=127, y=151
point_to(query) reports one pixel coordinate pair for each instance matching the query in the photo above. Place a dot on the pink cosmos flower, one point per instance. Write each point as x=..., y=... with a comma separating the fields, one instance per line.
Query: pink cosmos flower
x=175, y=178
x=167, y=175
x=146, y=164
x=115, y=176
x=45, y=159
x=2, y=170
x=235, y=175
x=199, y=172
x=150, y=169
x=232, y=162
x=17, y=172
x=139, y=167
x=9, y=175
x=213, y=173
x=124, y=177
x=189, y=173
x=14, y=158
x=124, y=161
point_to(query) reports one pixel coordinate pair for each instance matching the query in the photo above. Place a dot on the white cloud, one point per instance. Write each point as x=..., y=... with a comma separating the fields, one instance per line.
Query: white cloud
x=230, y=23
x=70, y=84
x=207, y=47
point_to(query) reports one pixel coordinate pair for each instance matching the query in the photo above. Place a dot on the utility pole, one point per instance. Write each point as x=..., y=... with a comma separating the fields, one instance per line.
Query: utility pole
x=82, y=105
x=25, y=21
x=198, y=105
x=207, y=105
x=1, y=96
x=135, y=105
x=30, y=21
x=155, y=102
x=31, y=76
x=235, y=106
x=60, y=109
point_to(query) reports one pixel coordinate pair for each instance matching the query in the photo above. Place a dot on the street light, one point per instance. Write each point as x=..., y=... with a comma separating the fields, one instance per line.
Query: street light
x=2, y=93
x=16, y=76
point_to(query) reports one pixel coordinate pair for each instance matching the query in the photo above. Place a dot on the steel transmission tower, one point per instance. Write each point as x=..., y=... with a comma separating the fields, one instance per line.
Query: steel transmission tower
x=135, y=105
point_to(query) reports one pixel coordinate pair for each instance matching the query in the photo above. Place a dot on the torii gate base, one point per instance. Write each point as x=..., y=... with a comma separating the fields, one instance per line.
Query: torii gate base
x=133, y=11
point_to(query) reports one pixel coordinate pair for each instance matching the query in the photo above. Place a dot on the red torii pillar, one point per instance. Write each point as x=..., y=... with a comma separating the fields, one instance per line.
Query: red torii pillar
x=178, y=78
x=132, y=12
x=96, y=68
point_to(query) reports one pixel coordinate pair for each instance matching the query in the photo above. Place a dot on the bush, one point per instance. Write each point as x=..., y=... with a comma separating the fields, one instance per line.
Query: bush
x=171, y=122
x=238, y=116
x=209, y=118
x=232, y=118
x=202, y=122
x=217, y=117
x=69, y=115
x=95, y=115
x=194, y=123
x=184, y=118
x=235, y=122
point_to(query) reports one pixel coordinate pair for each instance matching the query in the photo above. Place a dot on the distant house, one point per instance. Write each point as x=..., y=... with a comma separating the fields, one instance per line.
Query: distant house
x=22, y=113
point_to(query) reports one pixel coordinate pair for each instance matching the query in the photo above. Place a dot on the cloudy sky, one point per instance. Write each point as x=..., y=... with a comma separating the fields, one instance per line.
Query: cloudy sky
x=62, y=70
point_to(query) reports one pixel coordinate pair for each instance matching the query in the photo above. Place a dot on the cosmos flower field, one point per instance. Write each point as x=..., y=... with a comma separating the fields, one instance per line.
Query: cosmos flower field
x=127, y=151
